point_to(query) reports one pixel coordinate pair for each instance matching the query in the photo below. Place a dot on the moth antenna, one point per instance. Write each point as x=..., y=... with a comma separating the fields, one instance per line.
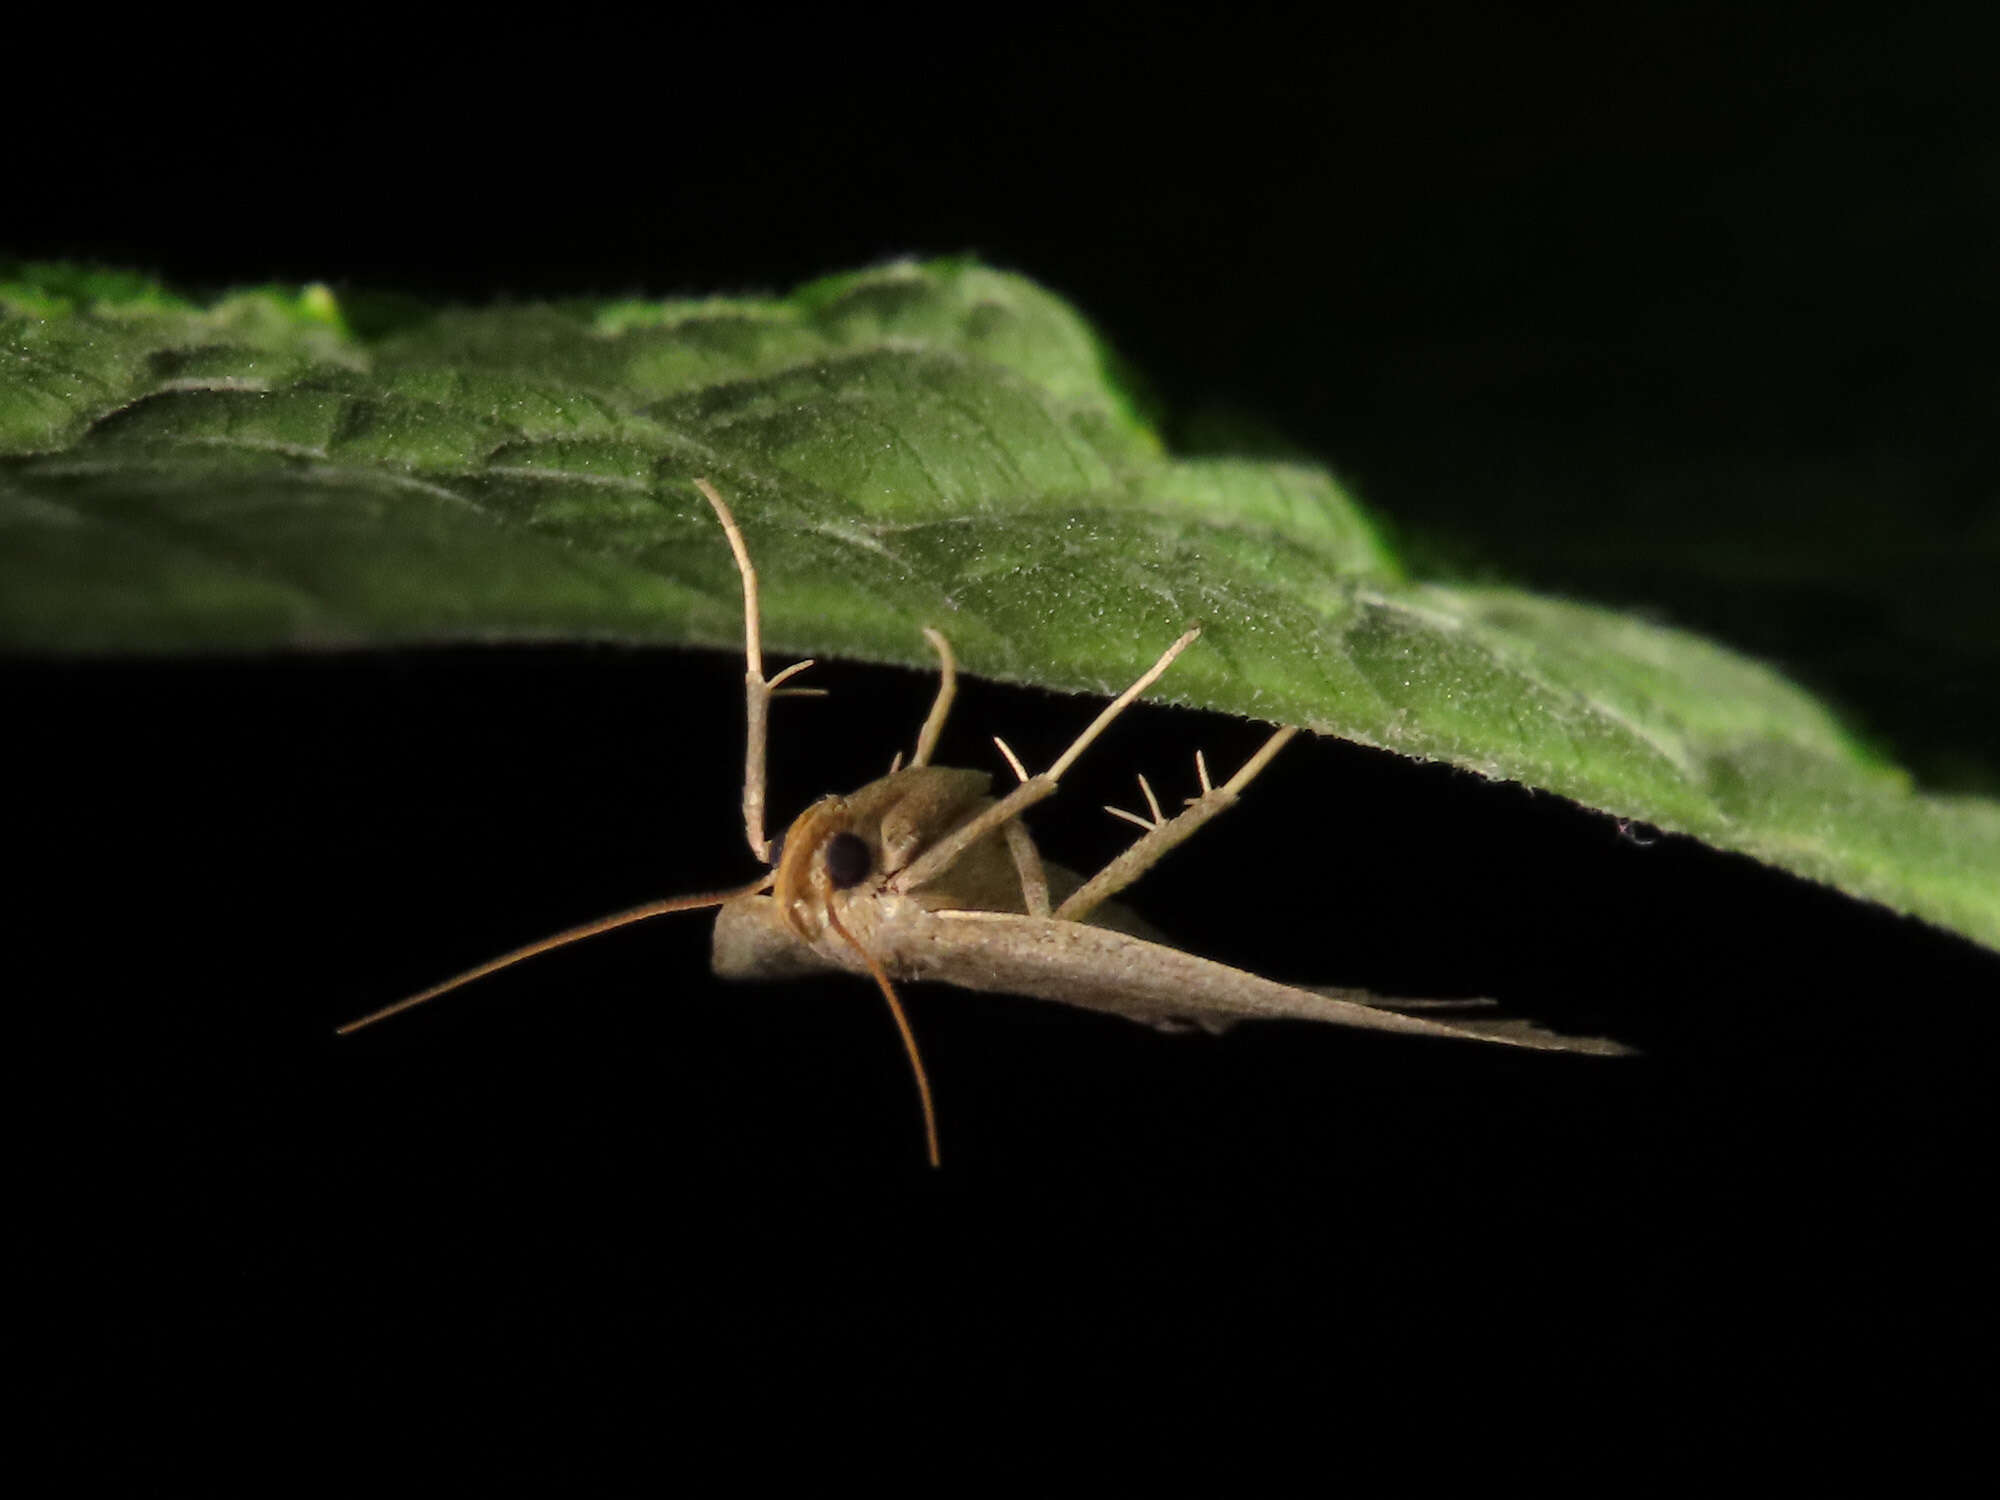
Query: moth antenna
x=558, y=940
x=895, y=763
x=903, y=1026
x=927, y=737
x=1201, y=770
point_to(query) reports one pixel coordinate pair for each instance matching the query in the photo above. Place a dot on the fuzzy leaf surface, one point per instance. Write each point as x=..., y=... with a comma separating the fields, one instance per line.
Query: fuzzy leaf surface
x=918, y=444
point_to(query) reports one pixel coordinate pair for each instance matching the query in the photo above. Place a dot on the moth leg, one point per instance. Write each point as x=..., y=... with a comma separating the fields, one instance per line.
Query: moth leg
x=1034, y=788
x=927, y=737
x=757, y=690
x=1028, y=865
x=1021, y=845
x=1164, y=834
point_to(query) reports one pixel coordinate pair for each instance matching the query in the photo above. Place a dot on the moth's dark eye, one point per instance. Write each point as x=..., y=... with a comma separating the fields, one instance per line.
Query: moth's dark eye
x=847, y=860
x=777, y=850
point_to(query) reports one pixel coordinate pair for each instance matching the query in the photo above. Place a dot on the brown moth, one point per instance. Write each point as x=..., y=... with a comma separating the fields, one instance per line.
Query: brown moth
x=925, y=875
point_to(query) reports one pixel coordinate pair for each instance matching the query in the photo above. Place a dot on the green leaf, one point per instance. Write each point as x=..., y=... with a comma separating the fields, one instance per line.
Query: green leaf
x=917, y=444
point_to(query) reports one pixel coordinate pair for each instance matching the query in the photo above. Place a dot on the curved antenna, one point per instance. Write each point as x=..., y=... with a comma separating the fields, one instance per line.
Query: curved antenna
x=559, y=940
x=903, y=1026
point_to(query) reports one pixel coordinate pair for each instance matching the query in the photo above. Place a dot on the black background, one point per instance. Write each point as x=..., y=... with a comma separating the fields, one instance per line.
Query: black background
x=1698, y=274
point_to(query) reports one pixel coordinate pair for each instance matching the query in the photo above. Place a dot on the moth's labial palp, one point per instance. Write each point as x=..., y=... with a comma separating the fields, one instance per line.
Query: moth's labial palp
x=847, y=860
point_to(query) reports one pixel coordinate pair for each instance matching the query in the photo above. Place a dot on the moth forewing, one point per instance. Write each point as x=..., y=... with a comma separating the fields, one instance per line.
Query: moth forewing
x=1101, y=969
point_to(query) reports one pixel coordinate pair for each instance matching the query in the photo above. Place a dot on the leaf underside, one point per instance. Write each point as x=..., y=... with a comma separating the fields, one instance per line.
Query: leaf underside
x=917, y=444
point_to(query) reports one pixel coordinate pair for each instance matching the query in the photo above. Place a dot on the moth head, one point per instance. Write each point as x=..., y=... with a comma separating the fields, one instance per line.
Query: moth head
x=823, y=852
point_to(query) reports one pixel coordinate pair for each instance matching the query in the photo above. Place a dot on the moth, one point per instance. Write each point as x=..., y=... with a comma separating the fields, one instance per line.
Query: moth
x=925, y=874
